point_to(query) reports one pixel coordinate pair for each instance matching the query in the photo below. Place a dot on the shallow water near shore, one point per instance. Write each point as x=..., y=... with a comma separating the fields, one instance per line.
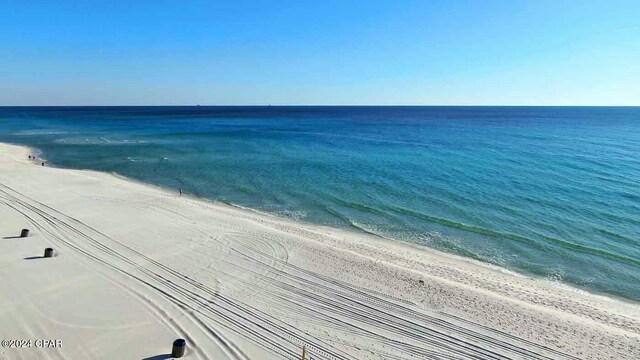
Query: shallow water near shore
x=549, y=191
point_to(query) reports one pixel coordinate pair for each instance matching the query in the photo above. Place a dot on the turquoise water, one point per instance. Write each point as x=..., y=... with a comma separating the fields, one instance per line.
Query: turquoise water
x=549, y=191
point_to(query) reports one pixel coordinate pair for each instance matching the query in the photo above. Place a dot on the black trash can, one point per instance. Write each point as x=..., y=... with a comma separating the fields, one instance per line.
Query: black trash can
x=179, y=347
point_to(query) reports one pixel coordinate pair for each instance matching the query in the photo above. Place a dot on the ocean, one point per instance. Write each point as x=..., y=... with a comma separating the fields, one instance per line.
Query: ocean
x=551, y=192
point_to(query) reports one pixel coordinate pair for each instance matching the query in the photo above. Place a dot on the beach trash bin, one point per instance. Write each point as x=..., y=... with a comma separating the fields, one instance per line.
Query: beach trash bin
x=48, y=252
x=24, y=233
x=179, y=347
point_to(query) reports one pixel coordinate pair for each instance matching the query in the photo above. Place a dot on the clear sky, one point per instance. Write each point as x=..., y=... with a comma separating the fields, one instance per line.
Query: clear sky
x=319, y=52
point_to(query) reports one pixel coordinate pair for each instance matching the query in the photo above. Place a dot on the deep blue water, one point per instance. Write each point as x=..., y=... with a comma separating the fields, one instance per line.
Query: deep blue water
x=550, y=191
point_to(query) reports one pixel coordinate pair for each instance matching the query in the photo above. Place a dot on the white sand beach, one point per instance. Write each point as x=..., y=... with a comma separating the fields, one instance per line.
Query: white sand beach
x=137, y=266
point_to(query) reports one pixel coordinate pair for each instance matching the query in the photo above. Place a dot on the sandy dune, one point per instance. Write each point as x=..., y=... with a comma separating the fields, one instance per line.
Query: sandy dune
x=137, y=267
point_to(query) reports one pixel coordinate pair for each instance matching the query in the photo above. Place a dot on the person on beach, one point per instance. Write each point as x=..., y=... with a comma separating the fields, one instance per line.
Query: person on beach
x=180, y=190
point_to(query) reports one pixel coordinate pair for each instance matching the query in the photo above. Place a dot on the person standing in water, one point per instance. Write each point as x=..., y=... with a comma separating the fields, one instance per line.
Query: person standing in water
x=180, y=190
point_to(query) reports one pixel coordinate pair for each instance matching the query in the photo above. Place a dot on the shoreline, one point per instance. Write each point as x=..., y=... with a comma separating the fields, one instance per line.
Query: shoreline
x=223, y=245
x=476, y=262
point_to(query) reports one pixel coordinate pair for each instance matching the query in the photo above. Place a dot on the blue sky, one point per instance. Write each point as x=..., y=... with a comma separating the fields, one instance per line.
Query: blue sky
x=320, y=52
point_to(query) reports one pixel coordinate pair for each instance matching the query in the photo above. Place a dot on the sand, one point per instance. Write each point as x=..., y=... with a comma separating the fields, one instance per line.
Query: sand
x=137, y=266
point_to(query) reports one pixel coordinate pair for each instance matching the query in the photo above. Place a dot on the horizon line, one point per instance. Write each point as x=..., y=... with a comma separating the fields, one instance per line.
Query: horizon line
x=320, y=105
